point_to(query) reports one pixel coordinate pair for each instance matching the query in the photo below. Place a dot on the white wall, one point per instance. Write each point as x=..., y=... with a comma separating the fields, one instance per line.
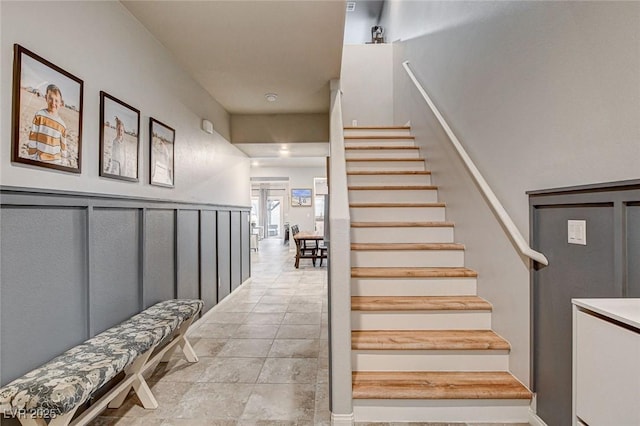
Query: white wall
x=299, y=177
x=102, y=44
x=367, y=83
x=541, y=94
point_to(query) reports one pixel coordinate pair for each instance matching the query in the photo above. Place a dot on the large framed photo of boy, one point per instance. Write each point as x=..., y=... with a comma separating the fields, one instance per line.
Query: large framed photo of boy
x=162, y=138
x=47, y=114
x=119, y=139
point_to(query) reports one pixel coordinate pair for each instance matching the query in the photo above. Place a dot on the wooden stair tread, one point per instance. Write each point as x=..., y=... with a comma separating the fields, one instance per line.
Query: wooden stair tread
x=376, y=127
x=437, y=385
x=362, y=160
x=378, y=147
x=427, y=340
x=373, y=272
x=397, y=205
x=389, y=172
x=392, y=188
x=419, y=303
x=407, y=246
x=402, y=224
x=379, y=137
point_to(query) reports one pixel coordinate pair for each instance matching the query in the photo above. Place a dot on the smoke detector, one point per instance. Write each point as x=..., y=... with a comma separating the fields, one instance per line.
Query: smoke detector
x=271, y=97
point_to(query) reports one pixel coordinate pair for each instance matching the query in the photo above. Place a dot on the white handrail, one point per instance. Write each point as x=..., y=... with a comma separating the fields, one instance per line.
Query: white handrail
x=514, y=233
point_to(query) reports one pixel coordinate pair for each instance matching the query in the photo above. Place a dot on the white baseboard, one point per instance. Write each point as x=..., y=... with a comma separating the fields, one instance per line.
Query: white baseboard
x=534, y=420
x=342, y=419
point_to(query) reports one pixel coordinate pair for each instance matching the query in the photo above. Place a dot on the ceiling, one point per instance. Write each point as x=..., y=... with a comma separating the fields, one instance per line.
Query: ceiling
x=240, y=50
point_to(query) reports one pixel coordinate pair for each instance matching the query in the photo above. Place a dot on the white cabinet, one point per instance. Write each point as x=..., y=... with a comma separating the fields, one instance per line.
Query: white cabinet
x=606, y=362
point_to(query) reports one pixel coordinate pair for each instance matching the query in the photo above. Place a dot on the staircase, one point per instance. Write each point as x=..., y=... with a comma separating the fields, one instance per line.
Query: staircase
x=422, y=345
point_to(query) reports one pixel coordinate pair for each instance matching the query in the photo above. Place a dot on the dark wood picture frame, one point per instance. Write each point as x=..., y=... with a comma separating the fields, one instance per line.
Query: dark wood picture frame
x=161, y=154
x=116, y=115
x=38, y=88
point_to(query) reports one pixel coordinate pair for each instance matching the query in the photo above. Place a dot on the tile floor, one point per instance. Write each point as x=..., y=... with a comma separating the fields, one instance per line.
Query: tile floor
x=263, y=356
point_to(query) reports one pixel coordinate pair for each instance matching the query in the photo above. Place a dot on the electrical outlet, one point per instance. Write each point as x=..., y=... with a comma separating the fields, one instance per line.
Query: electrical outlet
x=577, y=232
x=354, y=123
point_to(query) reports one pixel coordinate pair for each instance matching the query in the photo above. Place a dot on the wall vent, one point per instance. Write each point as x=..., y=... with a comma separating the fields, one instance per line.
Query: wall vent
x=351, y=6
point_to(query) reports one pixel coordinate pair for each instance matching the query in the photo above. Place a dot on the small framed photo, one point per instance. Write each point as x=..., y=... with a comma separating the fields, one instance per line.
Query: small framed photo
x=162, y=138
x=47, y=113
x=301, y=197
x=119, y=139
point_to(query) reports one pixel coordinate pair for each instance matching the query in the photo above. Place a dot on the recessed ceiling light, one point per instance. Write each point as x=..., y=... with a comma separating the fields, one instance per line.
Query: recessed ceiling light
x=255, y=163
x=271, y=97
x=284, y=146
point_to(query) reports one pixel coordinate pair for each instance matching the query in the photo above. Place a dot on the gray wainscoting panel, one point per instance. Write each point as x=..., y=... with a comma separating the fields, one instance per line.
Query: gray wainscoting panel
x=633, y=250
x=159, y=256
x=44, y=289
x=208, y=263
x=224, y=254
x=574, y=271
x=236, y=251
x=188, y=254
x=115, y=274
x=246, y=249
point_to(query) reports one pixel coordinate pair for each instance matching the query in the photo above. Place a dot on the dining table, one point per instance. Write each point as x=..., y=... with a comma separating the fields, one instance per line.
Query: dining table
x=301, y=238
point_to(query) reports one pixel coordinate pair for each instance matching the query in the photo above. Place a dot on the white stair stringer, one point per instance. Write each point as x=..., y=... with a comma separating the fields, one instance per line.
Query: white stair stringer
x=408, y=287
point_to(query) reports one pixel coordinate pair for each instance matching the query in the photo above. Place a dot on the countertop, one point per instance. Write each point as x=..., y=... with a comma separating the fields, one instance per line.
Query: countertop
x=625, y=310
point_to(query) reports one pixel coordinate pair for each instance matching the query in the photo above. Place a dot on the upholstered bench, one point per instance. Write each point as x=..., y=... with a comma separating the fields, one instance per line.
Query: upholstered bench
x=58, y=388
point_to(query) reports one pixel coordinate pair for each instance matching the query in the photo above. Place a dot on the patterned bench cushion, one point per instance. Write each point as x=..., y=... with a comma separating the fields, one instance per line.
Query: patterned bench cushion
x=69, y=380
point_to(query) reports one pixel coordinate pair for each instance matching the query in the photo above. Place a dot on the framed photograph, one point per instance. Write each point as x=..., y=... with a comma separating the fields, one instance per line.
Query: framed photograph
x=301, y=197
x=119, y=139
x=47, y=113
x=162, y=138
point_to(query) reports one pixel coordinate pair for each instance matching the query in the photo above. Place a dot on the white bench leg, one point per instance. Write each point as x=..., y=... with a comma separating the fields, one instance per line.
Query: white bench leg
x=139, y=385
x=186, y=347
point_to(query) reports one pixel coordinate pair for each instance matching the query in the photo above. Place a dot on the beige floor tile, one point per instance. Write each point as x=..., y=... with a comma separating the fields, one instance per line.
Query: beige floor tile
x=198, y=422
x=246, y=348
x=301, y=318
x=227, y=318
x=294, y=348
x=299, y=331
x=281, y=402
x=214, y=401
x=205, y=347
x=304, y=307
x=264, y=318
x=289, y=370
x=270, y=307
x=166, y=393
x=214, y=331
x=256, y=331
x=232, y=370
x=179, y=370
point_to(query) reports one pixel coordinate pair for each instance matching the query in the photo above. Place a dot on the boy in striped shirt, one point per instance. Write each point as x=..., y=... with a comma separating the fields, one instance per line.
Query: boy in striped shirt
x=48, y=136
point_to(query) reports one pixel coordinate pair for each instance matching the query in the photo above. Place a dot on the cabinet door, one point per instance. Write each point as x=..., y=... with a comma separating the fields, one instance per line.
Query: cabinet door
x=607, y=372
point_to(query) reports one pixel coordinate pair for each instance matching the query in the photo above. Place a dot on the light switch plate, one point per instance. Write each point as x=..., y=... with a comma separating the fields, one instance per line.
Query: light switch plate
x=577, y=232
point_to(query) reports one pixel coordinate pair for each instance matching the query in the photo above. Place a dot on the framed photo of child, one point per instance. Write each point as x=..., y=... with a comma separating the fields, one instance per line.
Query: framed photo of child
x=162, y=138
x=119, y=139
x=47, y=113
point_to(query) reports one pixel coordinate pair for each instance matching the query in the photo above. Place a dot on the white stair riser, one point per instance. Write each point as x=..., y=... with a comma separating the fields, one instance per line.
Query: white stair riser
x=422, y=234
x=393, y=195
x=407, y=258
x=449, y=360
x=380, y=142
x=377, y=132
x=382, y=153
x=378, y=179
x=399, y=214
x=413, y=286
x=385, y=166
x=420, y=320
x=442, y=410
